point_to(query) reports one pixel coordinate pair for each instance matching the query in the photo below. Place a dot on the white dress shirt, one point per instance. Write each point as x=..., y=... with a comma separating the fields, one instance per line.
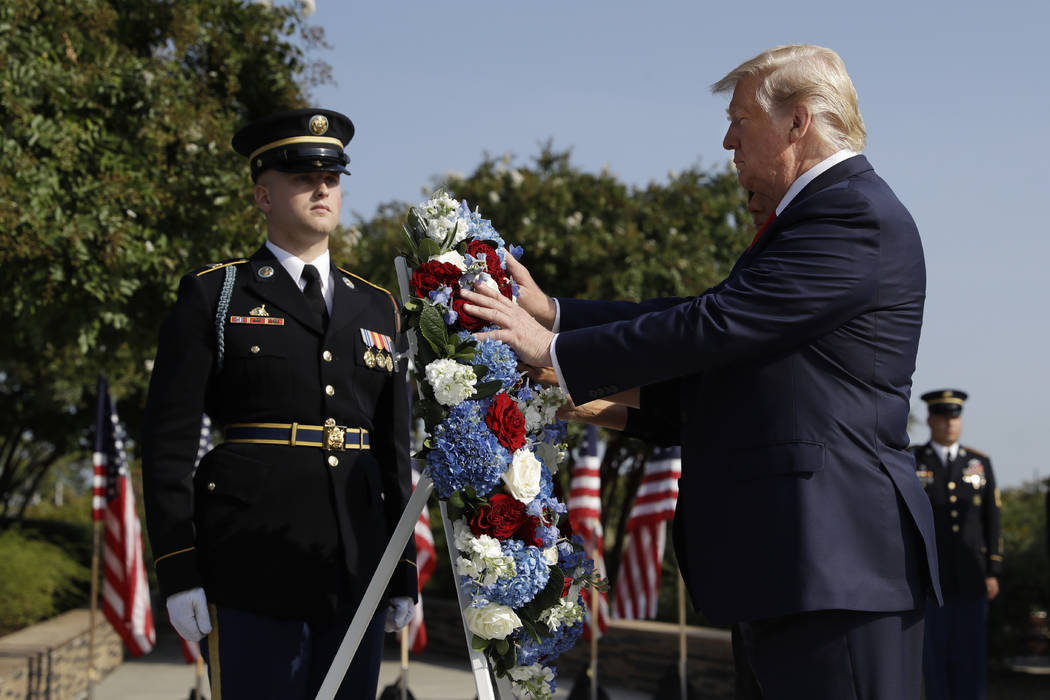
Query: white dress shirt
x=295, y=265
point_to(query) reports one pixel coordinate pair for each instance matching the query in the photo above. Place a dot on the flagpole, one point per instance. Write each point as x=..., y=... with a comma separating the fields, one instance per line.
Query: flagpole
x=404, y=664
x=94, y=610
x=682, y=651
x=595, y=602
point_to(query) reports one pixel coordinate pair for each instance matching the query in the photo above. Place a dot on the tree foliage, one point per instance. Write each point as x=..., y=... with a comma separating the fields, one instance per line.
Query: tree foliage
x=118, y=177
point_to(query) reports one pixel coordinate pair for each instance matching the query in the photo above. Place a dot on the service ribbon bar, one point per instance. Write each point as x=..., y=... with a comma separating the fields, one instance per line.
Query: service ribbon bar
x=258, y=320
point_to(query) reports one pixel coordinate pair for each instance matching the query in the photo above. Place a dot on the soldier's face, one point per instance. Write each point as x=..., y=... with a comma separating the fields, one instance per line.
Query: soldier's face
x=300, y=202
x=944, y=430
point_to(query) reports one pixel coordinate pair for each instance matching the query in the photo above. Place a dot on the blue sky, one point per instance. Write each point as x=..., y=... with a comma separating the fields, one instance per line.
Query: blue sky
x=955, y=96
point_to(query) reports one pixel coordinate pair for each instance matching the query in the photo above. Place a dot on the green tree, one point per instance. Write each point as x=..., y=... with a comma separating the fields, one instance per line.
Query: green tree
x=1025, y=581
x=118, y=177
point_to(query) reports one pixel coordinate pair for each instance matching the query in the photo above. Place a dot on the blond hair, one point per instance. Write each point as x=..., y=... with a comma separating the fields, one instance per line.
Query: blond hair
x=811, y=75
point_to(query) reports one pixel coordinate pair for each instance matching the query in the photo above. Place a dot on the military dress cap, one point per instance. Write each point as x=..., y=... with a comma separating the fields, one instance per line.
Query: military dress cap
x=945, y=401
x=296, y=141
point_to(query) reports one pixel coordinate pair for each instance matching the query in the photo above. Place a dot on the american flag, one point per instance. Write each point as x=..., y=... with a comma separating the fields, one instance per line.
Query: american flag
x=426, y=560
x=585, y=517
x=638, y=585
x=191, y=651
x=125, y=591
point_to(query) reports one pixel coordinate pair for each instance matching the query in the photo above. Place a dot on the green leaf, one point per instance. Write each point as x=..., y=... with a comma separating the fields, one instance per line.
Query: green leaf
x=428, y=248
x=486, y=389
x=478, y=644
x=432, y=328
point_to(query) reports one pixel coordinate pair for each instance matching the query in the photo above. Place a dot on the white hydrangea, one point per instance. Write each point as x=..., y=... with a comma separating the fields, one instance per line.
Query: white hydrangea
x=531, y=682
x=483, y=559
x=541, y=409
x=565, y=612
x=451, y=381
x=442, y=216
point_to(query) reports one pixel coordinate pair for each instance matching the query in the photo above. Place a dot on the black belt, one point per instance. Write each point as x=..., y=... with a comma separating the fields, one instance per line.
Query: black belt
x=328, y=436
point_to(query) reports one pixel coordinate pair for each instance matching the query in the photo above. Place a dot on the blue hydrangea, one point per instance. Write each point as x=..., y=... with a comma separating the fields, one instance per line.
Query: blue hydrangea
x=479, y=228
x=498, y=357
x=531, y=574
x=528, y=651
x=466, y=453
x=572, y=555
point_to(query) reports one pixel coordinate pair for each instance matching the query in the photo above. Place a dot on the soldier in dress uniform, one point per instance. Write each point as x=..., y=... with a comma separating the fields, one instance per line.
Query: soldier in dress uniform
x=269, y=546
x=961, y=486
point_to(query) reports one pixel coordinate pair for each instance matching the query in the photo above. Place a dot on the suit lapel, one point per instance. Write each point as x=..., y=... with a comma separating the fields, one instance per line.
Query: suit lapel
x=836, y=173
x=271, y=282
x=348, y=302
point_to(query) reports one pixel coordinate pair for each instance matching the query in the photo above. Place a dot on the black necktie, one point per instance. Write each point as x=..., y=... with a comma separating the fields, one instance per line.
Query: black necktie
x=313, y=294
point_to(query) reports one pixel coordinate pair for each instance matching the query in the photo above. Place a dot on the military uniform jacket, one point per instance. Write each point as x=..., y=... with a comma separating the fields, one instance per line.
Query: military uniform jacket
x=286, y=531
x=966, y=518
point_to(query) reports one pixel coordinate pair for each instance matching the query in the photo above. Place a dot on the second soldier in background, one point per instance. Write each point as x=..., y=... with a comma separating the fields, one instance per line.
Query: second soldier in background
x=961, y=485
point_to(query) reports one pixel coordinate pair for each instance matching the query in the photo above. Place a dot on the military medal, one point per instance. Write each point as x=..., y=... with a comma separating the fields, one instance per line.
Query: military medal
x=380, y=350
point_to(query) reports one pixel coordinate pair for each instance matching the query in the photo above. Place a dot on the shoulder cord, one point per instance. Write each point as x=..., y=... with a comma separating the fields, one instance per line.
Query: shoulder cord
x=221, y=309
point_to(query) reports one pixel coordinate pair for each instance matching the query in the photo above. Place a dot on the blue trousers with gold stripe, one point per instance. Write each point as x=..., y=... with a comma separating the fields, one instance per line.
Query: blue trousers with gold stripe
x=254, y=657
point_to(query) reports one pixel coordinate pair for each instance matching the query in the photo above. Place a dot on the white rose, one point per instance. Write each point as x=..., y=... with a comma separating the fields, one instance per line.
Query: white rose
x=452, y=257
x=523, y=476
x=494, y=621
x=551, y=555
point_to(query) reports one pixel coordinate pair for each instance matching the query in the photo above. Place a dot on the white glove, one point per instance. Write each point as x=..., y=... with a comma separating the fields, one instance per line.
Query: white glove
x=188, y=612
x=399, y=613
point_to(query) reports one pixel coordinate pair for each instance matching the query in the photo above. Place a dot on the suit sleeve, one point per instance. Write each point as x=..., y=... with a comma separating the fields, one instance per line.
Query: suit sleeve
x=658, y=419
x=171, y=434
x=808, y=281
x=394, y=416
x=991, y=508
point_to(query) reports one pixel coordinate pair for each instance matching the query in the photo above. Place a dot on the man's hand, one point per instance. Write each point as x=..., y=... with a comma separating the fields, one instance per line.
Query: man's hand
x=530, y=297
x=530, y=340
x=188, y=613
x=399, y=613
x=992, y=585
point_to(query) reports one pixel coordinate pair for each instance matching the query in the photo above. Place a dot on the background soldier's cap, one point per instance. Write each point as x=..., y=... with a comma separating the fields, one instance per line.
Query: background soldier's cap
x=296, y=141
x=947, y=402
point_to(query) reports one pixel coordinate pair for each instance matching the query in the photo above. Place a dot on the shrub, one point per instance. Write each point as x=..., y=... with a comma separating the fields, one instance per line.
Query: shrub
x=39, y=580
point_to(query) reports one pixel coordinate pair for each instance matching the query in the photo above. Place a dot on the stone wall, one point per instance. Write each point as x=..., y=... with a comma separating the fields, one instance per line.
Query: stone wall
x=49, y=660
x=633, y=654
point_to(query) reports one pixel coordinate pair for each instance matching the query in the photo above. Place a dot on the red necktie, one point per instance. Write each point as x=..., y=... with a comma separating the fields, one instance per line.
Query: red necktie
x=762, y=229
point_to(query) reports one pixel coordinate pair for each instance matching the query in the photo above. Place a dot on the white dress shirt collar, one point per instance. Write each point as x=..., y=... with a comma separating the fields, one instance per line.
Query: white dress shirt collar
x=945, y=452
x=811, y=175
x=294, y=266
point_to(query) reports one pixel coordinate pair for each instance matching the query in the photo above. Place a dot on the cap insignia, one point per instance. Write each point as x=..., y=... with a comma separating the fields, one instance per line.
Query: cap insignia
x=318, y=124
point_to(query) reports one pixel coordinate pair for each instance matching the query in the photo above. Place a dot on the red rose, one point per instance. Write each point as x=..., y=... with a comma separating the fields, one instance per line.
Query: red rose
x=500, y=518
x=432, y=275
x=527, y=532
x=506, y=421
x=478, y=249
x=468, y=322
x=566, y=586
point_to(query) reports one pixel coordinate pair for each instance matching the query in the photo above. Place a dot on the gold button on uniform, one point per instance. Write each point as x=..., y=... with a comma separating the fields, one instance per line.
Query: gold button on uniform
x=955, y=514
x=951, y=485
x=333, y=461
x=955, y=528
x=255, y=349
x=330, y=390
x=326, y=356
x=952, y=498
x=211, y=485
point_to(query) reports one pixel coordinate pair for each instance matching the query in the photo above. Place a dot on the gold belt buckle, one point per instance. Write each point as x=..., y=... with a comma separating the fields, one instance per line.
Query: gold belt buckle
x=334, y=435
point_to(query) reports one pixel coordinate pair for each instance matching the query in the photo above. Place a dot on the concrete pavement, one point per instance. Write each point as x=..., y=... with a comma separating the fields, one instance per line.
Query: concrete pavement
x=163, y=675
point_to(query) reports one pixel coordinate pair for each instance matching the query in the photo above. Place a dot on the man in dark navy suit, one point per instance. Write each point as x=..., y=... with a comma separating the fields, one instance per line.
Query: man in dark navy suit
x=788, y=386
x=269, y=546
x=961, y=485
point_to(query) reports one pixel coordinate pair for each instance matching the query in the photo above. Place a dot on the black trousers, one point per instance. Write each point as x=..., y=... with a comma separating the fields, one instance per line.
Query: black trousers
x=838, y=655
